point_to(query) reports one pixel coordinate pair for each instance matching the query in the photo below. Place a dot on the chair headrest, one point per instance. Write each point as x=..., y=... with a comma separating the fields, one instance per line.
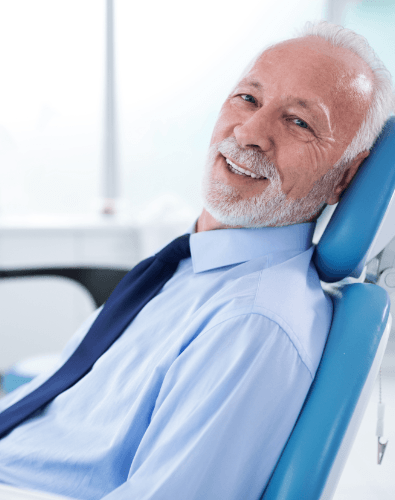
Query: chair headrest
x=344, y=245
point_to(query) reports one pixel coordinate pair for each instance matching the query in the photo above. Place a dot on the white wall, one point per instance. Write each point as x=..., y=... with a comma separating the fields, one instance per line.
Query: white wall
x=175, y=63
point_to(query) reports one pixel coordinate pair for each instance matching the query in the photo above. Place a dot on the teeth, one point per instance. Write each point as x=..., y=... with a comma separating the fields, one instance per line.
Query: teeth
x=240, y=170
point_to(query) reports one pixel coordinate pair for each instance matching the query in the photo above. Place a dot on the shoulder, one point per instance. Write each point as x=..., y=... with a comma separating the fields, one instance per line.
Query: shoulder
x=288, y=296
x=291, y=294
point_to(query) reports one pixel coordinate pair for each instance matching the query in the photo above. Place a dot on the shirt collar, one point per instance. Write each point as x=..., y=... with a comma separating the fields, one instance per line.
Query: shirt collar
x=225, y=247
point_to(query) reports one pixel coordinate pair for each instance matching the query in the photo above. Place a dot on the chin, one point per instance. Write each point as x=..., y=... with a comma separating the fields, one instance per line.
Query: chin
x=269, y=209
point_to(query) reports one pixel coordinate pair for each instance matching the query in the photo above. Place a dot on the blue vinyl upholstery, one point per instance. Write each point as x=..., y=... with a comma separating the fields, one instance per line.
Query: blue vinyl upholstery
x=361, y=313
x=353, y=225
x=351, y=347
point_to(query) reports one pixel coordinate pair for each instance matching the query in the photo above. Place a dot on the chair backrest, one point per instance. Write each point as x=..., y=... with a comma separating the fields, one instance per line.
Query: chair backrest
x=354, y=225
x=313, y=458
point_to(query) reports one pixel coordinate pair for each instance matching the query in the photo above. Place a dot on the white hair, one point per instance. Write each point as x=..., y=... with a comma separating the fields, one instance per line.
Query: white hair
x=383, y=100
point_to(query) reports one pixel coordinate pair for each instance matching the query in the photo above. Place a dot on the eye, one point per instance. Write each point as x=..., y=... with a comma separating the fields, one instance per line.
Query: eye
x=300, y=123
x=248, y=98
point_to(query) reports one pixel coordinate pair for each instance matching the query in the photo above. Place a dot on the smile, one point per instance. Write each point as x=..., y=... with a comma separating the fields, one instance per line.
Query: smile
x=241, y=171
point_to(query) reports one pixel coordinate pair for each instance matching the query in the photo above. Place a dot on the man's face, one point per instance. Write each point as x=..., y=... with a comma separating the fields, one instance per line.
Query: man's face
x=287, y=122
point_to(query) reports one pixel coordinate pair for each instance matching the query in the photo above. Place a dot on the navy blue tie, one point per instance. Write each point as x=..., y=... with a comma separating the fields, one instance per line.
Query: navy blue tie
x=133, y=292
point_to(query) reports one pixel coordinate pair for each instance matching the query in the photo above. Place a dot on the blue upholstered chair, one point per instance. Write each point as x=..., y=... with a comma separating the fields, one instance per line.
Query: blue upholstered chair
x=312, y=461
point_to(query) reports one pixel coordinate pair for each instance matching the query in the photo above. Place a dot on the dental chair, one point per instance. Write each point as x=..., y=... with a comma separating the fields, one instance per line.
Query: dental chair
x=316, y=452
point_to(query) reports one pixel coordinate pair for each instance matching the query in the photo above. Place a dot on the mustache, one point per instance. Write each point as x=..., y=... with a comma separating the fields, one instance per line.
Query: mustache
x=255, y=161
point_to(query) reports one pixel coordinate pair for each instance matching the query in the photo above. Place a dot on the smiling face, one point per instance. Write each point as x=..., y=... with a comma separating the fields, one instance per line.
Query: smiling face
x=280, y=132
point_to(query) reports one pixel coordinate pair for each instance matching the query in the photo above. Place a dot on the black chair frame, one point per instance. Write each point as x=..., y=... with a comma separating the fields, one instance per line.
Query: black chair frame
x=98, y=281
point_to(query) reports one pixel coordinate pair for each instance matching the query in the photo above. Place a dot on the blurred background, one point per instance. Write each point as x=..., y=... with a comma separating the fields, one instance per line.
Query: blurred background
x=106, y=112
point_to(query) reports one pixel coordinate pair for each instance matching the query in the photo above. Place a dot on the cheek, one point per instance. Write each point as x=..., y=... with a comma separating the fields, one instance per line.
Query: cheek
x=315, y=159
x=300, y=168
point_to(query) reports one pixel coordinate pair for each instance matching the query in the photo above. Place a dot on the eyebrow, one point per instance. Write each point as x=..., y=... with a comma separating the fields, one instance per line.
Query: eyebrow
x=312, y=107
x=303, y=103
x=251, y=83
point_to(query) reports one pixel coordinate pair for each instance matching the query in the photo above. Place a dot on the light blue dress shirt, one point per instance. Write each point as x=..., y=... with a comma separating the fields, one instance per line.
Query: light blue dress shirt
x=199, y=395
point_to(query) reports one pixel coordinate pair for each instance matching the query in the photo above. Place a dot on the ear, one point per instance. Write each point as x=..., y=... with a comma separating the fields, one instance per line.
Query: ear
x=347, y=177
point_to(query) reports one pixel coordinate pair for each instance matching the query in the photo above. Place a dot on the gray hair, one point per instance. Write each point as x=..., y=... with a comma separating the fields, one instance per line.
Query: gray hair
x=383, y=99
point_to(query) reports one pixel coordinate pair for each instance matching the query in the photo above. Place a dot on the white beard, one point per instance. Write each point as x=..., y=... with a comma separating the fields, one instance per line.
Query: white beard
x=271, y=207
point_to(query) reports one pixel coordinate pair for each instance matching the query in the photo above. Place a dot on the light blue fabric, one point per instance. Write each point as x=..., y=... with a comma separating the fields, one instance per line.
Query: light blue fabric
x=197, y=398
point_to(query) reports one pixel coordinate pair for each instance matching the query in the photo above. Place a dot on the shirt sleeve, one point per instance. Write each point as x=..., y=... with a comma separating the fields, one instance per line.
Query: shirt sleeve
x=225, y=410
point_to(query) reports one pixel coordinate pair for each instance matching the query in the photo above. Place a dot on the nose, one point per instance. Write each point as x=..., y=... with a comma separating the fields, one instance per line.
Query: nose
x=255, y=132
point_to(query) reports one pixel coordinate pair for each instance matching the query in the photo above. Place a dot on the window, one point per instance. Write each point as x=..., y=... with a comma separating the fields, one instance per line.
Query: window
x=175, y=63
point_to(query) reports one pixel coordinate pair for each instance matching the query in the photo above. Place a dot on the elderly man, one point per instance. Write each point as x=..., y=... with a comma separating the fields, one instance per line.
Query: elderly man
x=197, y=391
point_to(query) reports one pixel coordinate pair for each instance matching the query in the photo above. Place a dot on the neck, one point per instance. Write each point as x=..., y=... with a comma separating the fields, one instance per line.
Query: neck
x=206, y=222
